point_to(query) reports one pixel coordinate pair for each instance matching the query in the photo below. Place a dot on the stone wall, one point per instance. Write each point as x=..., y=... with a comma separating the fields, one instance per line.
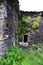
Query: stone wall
x=8, y=27
x=12, y=12
x=5, y=41
x=38, y=37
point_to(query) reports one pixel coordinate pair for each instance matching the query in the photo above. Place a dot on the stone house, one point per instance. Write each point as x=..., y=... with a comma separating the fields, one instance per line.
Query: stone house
x=38, y=36
x=9, y=11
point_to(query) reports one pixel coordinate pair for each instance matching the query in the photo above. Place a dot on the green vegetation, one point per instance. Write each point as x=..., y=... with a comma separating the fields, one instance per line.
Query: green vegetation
x=28, y=20
x=35, y=25
x=36, y=22
x=16, y=56
x=27, y=25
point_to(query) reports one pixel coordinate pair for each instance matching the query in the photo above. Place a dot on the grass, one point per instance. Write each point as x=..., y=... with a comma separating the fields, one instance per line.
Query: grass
x=17, y=56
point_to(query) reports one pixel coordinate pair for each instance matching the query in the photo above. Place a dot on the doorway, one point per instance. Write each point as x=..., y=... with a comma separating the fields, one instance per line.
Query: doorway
x=25, y=38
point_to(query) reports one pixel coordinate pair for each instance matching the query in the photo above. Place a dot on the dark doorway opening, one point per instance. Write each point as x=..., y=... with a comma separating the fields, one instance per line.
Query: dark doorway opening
x=25, y=38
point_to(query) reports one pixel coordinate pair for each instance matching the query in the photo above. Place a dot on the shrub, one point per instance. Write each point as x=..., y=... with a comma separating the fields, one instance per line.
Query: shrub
x=28, y=20
x=35, y=25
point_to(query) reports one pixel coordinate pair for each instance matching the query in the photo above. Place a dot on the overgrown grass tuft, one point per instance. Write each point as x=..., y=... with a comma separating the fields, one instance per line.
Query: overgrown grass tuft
x=17, y=56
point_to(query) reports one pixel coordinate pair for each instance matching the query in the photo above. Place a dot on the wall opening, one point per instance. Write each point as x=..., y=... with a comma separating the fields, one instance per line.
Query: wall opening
x=25, y=38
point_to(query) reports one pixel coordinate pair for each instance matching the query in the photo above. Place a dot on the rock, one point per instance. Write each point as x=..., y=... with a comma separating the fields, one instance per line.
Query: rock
x=25, y=44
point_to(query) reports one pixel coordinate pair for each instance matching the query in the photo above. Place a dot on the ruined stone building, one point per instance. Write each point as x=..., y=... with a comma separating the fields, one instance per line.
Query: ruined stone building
x=38, y=36
x=9, y=11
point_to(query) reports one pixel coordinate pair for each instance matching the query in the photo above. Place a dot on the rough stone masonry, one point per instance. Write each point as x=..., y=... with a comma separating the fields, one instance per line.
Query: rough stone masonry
x=8, y=24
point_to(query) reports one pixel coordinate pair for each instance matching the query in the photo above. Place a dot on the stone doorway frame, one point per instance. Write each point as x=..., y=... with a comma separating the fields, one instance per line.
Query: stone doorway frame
x=28, y=37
